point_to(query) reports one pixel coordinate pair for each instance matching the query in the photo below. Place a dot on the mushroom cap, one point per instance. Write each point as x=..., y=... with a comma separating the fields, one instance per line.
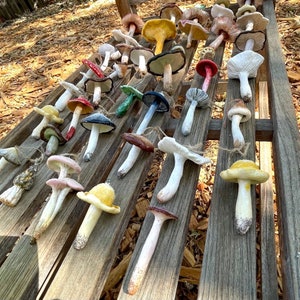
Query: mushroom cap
x=170, y=10
x=71, y=87
x=104, y=48
x=105, y=83
x=13, y=155
x=95, y=68
x=169, y=145
x=103, y=123
x=124, y=48
x=259, y=21
x=246, y=170
x=225, y=25
x=158, y=29
x=203, y=64
x=102, y=197
x=221, y=11
x=245, y=8
x=154, y=97
x=196, y=13
x=162, y=212
x=49, y=131
x=56, y=162
x=129, y=90
x=135, y=19
x=175, y=57
x=196, y=30
x=86, y=105
x=246, y=61
x=136, y=52
x=198, y=95
x=239, y=108
x=225, y=2
x=258, y=37
x=65, y=182
x=207, y=53
x=50, y=112
x=121, y=37
x=139, y=141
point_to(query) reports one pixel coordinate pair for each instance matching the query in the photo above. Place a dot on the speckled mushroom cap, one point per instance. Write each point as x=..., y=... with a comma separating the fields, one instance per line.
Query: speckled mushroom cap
x=50, y=112
x=86, y=106
x=135, y=19
x=170, y=10
x=244, y=170
x=151, y=97
x=105, y=83
x=56, y=162
x=255, y=19
x=258, y=38
x=175, y=57
x=103, y=123
x=239, y=108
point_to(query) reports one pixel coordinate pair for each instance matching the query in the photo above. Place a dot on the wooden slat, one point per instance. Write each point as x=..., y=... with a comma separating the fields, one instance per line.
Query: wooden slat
x=229, y=264
x=286, y=148
x=269, y=287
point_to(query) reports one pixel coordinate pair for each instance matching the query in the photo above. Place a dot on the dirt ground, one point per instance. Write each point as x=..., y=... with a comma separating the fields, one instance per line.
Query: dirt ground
x=42, y=48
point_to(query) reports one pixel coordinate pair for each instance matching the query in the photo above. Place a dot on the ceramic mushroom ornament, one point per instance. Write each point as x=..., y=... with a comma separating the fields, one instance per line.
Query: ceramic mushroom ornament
x=100, y=198
x=181, y=154
x=133, y=24
x=11, y=155
x=244, y=172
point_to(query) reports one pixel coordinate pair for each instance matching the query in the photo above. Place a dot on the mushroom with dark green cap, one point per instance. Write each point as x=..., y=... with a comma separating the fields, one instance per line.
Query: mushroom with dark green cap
x=197, y=98
x=244, y=172
x=140, y=56
x=156, y=103
x=97, y=123
x=53, y=136
x=166, y=64
x=132, y=94
x=79, y=106
x=50, y=114
x=158, y=31
x=11, y=155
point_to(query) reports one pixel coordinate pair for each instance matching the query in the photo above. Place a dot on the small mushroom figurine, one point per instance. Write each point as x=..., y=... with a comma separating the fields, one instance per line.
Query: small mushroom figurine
x=11, y=155
x=160, y=216
x=181, y=154
x=96, y=123
x=238, y=113
x=244, y=172
x=132, y=23
x=100, y=198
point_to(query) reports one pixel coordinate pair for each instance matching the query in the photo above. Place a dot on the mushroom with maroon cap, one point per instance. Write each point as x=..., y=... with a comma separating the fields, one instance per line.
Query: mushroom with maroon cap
x=132, y=94
x=11, y=155
x=236, y=114
x=60, y=189
x=207, y=69
x=250, y=40
x=132, y=23
x=156, y=103
x=96, y=123
x=166, y=64
x=63, y=165
x=158, y=31
x=107, y=51
x=244, y=172
x=243, y=66
x=79, y=106
x=140, y=56
x=71, y=90
x=53, y=136
x=50, y=114
x=100, y=198
x=171, y=11
x=141, y=266
x=197, y=98
x=193, y=30
x=181, y=154
x=88, y=74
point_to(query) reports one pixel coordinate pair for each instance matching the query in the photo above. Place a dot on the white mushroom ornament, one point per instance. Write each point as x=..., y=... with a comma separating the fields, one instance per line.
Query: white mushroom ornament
x=181, y=154
x=244, y=172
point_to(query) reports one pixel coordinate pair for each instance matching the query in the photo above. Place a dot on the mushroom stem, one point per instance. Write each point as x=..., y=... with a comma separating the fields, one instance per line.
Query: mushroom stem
x=167, y=79
x=85, y=76
x=61, y=102
x=145, y=256
x=217, y=42
x=3, y=163
x=245, y=89
x=207, y=80
x=36, y=132
x=74, y=122
x=142, y=65
x=88, y=224
x=135, y=151
x=92, y=143
x=97, y=93
x=131, y=30
x=52, y=145
x=106, y=60
x=172, y=185
x=237, y=136
x=11, y=196
x=243, y=208
x=189, y=118
x=249, y=45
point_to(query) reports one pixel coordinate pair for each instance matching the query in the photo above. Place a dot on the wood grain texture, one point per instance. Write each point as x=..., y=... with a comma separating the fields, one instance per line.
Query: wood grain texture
x=286, y=147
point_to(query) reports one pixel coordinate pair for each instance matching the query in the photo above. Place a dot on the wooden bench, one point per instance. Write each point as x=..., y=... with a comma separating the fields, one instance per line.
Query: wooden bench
x=53, y=269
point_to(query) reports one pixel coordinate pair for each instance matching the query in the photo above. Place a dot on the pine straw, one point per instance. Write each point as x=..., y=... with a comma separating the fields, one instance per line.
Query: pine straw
x=40, y=49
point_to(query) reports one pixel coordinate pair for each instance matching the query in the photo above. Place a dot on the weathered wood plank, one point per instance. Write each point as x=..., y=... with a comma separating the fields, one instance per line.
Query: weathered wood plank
x=286, y=147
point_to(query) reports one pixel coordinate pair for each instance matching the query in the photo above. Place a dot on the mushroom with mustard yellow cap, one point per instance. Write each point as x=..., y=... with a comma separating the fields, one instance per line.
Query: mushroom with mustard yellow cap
x=244, y=172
